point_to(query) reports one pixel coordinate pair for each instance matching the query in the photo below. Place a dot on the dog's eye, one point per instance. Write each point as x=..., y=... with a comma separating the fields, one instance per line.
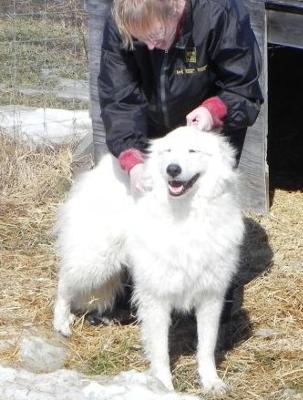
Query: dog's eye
x=167, y=150
x=193, y=151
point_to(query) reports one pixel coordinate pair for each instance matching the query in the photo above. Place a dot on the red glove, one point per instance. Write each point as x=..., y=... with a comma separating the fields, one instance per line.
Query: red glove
x=217, y=109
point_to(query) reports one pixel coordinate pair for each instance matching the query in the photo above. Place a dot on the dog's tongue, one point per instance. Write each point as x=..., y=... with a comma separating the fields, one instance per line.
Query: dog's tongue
x=176, y=188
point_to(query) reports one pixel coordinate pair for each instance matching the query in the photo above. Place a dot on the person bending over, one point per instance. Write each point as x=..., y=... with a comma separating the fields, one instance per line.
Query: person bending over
x=167, y=63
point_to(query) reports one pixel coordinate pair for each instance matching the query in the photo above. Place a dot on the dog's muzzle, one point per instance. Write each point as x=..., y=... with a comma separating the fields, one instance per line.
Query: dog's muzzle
x=178, y=187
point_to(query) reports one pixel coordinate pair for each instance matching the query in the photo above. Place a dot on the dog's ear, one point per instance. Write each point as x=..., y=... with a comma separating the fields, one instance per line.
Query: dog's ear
x=222, y=175
x=155, y=146
x=228, y=154
x=226, y=163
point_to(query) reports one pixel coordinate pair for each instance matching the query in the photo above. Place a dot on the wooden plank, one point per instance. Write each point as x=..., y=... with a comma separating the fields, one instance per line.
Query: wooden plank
x=254, y=170
x=253, y=166
x=97, y=10
x=285, y=28
x=292, y=6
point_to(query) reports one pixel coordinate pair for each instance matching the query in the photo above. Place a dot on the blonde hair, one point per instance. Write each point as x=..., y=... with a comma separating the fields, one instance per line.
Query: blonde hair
x=140, y=15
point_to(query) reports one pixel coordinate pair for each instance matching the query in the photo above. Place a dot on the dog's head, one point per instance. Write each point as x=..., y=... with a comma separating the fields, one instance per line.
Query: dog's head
x=188, y=159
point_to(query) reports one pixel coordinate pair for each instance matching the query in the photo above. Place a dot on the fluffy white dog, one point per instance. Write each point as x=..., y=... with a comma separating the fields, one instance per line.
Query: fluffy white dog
x=180, y=241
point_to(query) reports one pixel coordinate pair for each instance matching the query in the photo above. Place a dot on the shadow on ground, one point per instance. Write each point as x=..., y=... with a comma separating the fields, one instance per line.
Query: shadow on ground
x=256, y=258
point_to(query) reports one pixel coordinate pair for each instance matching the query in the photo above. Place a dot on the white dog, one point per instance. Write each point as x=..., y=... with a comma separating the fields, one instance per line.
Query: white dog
x=180, y=241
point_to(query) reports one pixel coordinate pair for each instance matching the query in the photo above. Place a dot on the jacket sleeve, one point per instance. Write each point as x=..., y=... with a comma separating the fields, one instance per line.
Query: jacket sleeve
x=123, y=105
x=236, y=61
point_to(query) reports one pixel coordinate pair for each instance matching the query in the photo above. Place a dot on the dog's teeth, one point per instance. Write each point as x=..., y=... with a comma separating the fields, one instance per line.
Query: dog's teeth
x=176, y=189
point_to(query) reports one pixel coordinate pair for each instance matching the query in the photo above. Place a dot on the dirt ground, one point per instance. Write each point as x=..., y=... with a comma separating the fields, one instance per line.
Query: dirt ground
x=262, y=354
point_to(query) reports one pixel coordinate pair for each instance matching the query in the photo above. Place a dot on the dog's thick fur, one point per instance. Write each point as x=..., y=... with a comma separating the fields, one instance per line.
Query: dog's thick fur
x=180, y=241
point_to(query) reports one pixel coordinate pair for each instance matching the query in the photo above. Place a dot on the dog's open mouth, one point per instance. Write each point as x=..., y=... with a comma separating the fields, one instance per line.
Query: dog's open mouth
x=178, y=188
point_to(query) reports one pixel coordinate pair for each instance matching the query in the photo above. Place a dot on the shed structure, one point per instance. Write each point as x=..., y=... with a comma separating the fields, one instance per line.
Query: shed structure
x=273, y=21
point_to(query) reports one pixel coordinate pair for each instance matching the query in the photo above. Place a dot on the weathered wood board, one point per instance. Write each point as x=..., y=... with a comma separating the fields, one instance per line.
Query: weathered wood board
x=284, y=21
x=97, y=10
x=253, y=164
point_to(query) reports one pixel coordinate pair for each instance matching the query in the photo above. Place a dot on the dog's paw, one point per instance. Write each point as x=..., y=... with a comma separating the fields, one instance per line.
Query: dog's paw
x=168, y=384
x=214, y=386
x=64, y=326
x=165, y=379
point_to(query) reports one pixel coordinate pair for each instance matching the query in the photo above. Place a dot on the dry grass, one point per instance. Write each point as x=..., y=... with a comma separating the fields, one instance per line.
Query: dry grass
x=33, y=183
x=41, y=43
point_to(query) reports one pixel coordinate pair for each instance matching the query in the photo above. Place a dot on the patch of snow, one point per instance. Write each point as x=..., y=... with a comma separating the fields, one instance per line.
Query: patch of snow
x=6, y=344
x=266, y=332
x=19, y=384
x=38, y=355
x=45, y=126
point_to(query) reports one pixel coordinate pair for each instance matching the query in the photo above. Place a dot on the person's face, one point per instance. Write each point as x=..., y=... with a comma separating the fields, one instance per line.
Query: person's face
x=160, y=36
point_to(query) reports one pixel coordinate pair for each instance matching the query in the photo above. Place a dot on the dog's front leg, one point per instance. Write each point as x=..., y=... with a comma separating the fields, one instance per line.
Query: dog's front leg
x=63, y=318
x=155, y=320
x=208, y=318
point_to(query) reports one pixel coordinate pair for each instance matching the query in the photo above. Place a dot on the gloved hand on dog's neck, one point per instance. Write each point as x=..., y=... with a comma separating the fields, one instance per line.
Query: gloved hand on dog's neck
x=132, y=161
x=139, y=182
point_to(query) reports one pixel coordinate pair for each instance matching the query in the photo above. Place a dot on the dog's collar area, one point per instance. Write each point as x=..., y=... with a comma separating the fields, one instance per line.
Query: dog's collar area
x=178, y=188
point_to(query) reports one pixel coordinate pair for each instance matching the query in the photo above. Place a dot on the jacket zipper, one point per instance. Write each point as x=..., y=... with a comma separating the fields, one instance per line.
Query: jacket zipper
x=164, y=67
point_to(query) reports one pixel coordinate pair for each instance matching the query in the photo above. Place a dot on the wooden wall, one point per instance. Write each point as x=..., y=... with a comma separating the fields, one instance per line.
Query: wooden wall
x=253, y=164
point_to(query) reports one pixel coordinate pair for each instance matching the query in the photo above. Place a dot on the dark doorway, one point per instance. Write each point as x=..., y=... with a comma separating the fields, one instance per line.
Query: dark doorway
x=285, y=117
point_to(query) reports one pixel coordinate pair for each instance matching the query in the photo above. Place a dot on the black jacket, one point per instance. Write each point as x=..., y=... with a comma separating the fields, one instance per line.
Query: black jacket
x=145, y=94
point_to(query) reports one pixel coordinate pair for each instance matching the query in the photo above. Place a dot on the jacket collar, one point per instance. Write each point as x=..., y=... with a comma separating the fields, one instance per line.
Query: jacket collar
x=185, y=27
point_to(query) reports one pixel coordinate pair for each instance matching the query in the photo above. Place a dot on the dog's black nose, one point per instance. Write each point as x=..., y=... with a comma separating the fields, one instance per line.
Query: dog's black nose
x=173, y=170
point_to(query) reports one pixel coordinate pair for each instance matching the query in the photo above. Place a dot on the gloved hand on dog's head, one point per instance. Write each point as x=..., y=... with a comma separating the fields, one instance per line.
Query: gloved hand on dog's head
x=209, y=116
x=200, y=118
